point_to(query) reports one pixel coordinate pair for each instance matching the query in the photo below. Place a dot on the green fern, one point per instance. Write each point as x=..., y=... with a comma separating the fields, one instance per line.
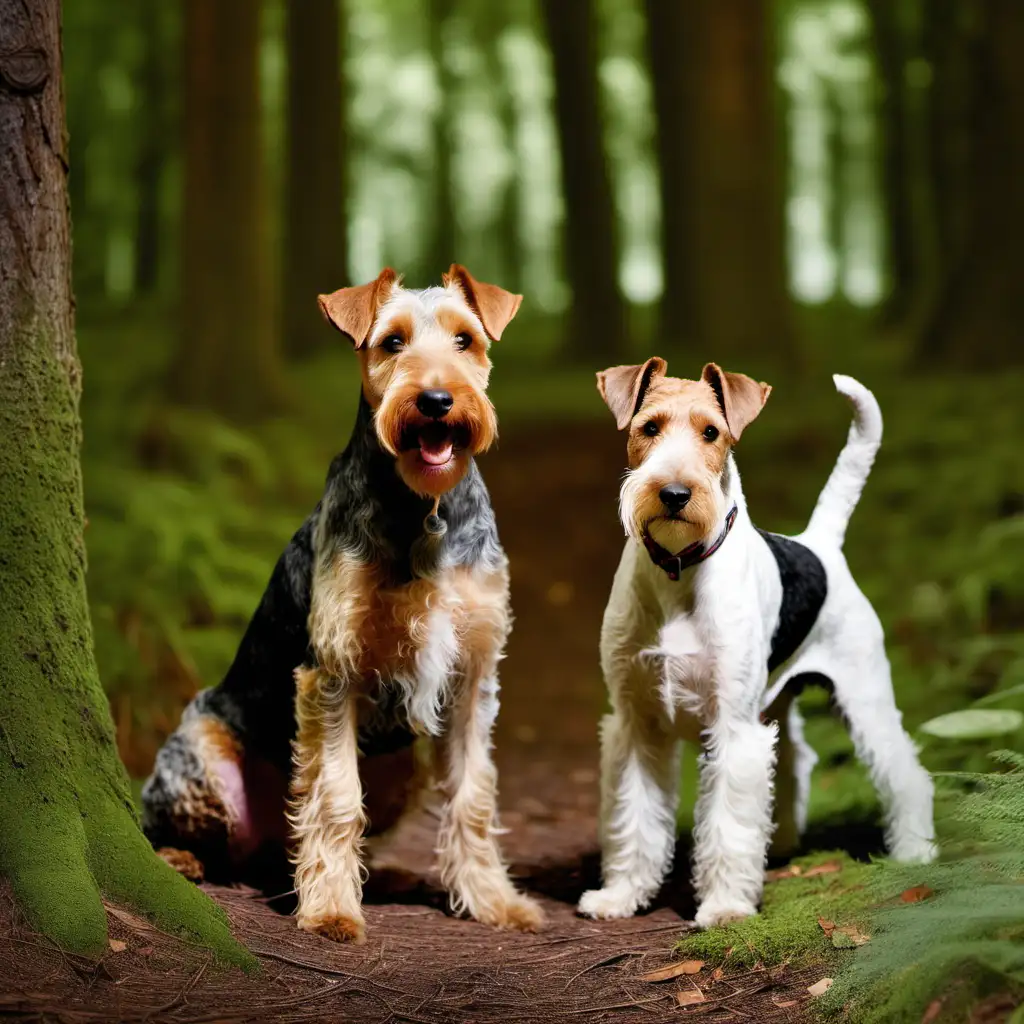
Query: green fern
x=964, y=941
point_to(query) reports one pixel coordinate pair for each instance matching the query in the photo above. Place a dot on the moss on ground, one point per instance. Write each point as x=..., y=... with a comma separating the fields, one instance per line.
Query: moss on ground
x=787, y=930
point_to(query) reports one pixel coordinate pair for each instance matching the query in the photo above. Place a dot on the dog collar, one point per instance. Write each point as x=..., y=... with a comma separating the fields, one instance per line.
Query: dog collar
x=673, y=565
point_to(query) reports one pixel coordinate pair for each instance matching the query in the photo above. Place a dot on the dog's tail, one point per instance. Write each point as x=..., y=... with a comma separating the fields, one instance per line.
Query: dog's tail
x=840, y=495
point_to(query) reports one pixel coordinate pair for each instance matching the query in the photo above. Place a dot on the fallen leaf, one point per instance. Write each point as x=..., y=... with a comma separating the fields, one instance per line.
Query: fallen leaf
x=848, y=936
x=819, y=988
x=717, y=974
x=145, y=951
x=789, y=871
x=674, y=971
x=788, y=1002
x=118, y=945
x=932, y=1012
x=828, y=927
x=690, y=997
x=916, y=893
x=830, y=867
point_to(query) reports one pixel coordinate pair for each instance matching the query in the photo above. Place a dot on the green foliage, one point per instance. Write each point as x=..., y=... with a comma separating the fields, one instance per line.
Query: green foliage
x=966, y=940
x=787, y=929
x=973, y=724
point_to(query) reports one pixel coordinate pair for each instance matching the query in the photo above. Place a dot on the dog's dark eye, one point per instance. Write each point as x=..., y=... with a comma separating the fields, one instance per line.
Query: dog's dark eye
x=463, y=341
x=710, y=433
x=393, y=343
x=650, y=428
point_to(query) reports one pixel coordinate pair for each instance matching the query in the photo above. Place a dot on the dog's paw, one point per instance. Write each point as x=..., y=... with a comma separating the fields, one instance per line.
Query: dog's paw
x=608, y=903
x=521, y=914
x=914, y=851
x=518, y=913
x=716, y=913
x=184, y=862
x=336, y=927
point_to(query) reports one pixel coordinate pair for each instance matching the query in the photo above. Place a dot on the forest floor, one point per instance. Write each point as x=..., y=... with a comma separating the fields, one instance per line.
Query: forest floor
x=419, y=963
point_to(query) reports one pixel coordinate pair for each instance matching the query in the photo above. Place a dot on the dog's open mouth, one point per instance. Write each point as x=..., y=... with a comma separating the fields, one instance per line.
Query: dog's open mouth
x=436, y=442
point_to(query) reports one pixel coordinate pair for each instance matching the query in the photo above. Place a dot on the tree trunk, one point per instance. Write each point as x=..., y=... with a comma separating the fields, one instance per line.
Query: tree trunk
x=68, y=834
x=726, y=152
x=316, y=250
x=893, y=51
x=978, y=318
x=673, y=87
x=152, y=153
x=597, y=324
x=227, y=357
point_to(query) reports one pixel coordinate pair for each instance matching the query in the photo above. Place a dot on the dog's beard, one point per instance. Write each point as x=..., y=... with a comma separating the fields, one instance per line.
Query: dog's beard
x=643, y=514
x=433, y=455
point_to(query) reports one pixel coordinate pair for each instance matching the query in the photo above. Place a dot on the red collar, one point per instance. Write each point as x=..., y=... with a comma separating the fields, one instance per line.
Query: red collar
x=673, y=565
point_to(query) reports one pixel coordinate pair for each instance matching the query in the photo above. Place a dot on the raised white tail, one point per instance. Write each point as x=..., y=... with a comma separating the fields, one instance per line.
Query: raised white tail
x=841, y=493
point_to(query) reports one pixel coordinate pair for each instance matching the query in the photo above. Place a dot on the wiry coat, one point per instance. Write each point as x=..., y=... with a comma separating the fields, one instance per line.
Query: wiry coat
x=713, y=656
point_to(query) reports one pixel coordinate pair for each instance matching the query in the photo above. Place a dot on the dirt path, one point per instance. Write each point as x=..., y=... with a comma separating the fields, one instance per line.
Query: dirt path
x=555, y=503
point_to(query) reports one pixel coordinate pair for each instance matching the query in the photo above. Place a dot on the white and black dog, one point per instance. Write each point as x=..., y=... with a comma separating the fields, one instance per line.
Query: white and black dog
x=709, y=619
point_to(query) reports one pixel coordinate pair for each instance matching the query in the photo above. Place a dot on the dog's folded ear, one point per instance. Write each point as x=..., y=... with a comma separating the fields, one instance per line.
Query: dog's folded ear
x=492, y=304
x=623, y=387
x=353, y=310
x=741, y=397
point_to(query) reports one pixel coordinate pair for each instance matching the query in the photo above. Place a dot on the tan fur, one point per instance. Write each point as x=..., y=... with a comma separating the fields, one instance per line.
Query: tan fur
x=183, y=861
x=681, y=410
x=429, y=358
x=203, y=809
x=326, y=809
x=439, y=640
x=362, y=630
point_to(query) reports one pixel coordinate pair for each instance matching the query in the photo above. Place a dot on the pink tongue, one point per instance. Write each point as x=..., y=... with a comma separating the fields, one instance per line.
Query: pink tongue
x=436, y=454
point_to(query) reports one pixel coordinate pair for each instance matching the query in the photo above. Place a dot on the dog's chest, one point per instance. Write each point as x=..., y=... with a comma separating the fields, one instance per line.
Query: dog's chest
x=686, y=666
x=412, y=637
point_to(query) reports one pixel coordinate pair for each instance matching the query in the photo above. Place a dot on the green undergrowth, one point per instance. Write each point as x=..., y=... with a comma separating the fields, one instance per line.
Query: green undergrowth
x=965, y=940
x=900, y=939
x=787, y=929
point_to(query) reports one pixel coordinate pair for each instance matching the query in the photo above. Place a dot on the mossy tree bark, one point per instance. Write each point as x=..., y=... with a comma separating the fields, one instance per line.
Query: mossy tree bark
x=228, y=358
x=597, y=325
x=316, y=250
x=68, y=833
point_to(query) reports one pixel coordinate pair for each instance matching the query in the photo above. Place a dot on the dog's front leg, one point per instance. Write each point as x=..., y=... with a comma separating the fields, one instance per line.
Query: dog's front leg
x=733, y=818
x=326, y=812
x=639, y=786
x=472, y=869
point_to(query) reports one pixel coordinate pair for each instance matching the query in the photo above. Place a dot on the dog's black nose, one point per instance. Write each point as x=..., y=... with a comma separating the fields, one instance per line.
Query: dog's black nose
x=435, y=403
x=674, y=497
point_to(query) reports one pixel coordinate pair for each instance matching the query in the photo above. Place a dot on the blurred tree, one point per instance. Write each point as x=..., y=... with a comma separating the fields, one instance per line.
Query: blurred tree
x=894, y=49
x=977, y=134
x=68, y=833
x=316, y=249
x=597, y=324
x=154, y=136
x=444, y=234
x=227, y=357
x=672, y=84
x=724, y=141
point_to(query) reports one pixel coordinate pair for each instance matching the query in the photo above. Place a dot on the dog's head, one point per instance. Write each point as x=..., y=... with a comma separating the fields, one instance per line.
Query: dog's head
x=680, y=436
x=425, y=368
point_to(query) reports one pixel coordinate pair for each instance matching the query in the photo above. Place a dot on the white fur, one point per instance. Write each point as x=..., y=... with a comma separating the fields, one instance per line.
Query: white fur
x=689, y=658
x=426, y=695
